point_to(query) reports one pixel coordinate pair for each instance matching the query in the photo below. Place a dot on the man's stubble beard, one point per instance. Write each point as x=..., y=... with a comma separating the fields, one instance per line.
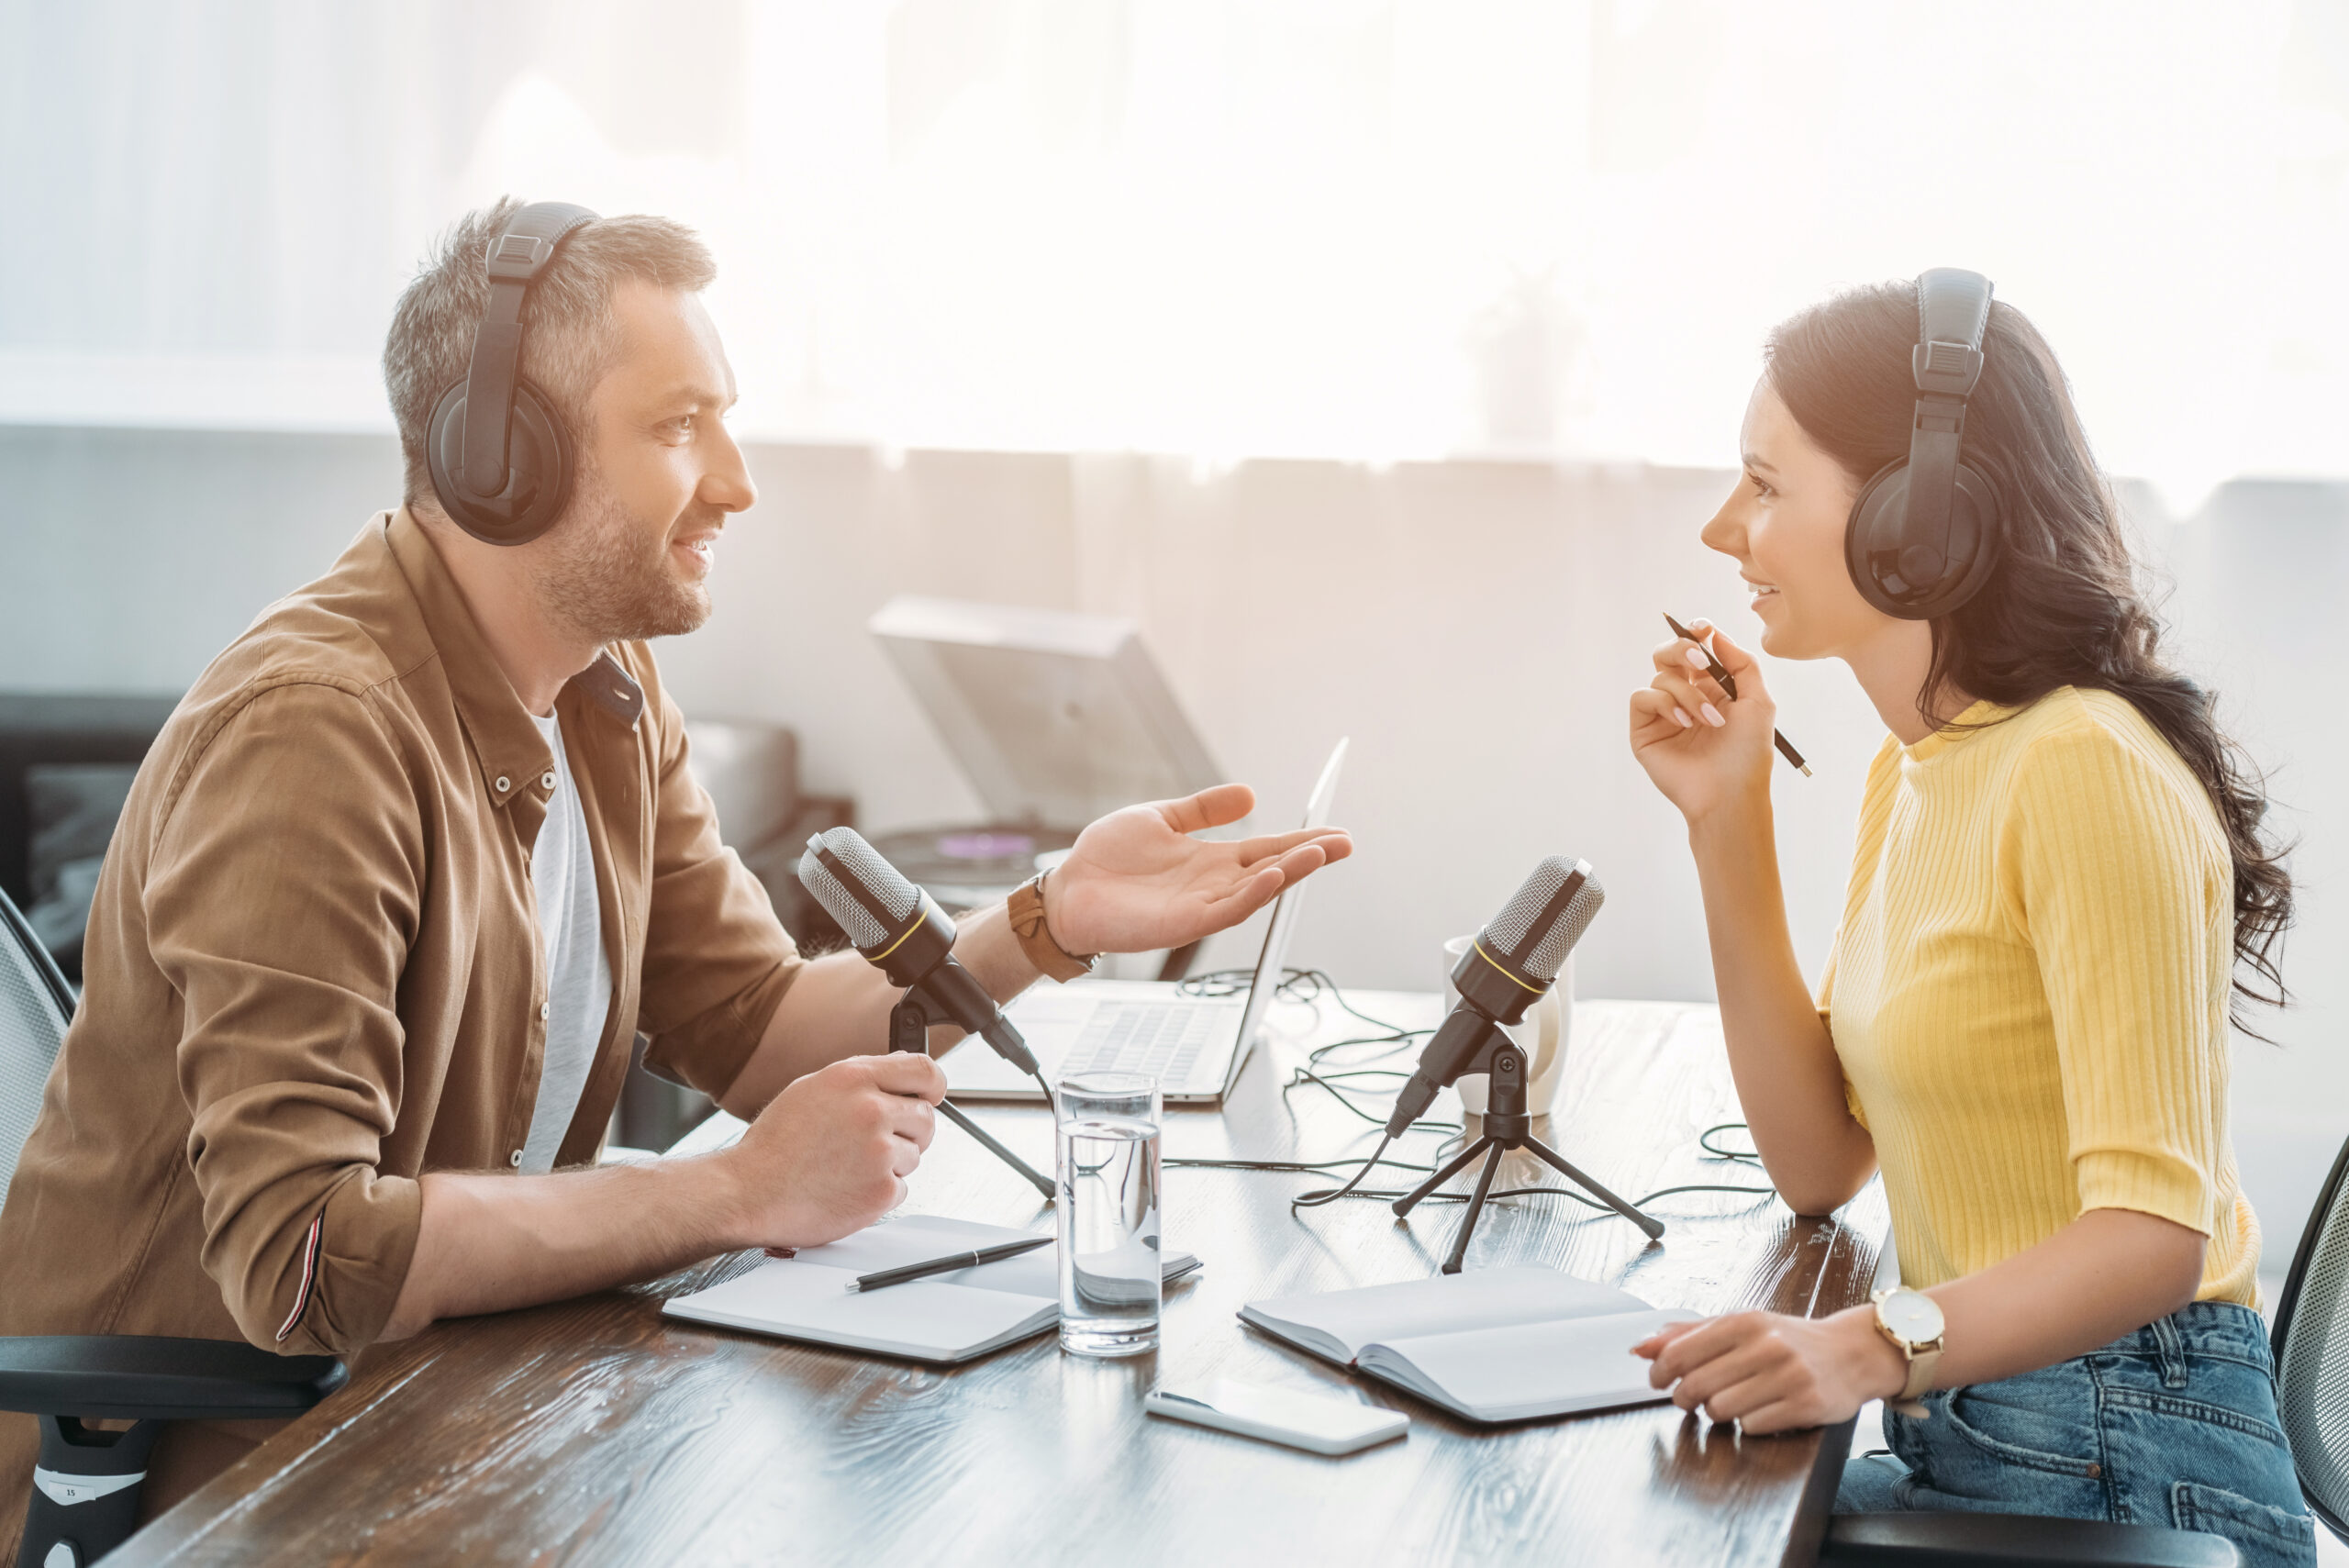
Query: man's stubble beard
x=606, y=573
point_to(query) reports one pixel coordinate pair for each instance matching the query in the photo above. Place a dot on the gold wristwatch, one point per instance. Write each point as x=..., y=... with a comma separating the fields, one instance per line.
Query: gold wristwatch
x=1913, y=1321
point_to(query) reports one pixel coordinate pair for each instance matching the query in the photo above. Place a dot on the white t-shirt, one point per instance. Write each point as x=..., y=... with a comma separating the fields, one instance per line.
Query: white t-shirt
x=579, y=975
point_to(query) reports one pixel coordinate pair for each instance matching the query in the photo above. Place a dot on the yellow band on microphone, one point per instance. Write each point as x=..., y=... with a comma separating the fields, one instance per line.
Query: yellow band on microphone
x=1496, y=963
x=921, y=913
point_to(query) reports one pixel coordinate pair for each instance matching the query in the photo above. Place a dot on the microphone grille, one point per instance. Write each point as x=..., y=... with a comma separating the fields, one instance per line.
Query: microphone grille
x=883, y=881
x=1513, y=926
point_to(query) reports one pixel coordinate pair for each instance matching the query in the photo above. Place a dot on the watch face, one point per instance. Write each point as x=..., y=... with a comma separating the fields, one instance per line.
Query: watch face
x=1911, y=1316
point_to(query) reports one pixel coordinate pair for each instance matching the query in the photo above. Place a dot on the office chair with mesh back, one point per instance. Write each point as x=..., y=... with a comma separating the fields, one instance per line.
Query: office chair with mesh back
x=2311, y=1345
x=85, y=1486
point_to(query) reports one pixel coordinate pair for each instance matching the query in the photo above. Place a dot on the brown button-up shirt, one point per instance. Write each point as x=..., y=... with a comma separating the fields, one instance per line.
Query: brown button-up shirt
x=315, y=971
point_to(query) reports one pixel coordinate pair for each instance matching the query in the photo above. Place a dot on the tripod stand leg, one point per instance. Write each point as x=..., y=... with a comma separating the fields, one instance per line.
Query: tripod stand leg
x=1655, y=1228
x=954, y=1112
x=1475, y=1209
x=1409, y=1201
x=910, y=1023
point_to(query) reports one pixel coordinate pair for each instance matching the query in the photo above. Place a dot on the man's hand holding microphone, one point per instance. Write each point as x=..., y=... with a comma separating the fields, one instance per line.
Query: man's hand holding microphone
x=829, y=1153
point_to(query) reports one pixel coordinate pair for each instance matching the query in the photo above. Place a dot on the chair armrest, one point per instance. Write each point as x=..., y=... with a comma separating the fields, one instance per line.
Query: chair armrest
x=2017, y=1540
x=127, y=1378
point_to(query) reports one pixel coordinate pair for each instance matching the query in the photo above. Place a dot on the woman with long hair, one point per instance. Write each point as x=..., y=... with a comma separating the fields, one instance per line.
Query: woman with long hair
x=2062, y=889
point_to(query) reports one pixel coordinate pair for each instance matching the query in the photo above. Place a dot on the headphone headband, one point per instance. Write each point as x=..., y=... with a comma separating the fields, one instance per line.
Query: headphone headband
x=1952, y=315
x=516, y=257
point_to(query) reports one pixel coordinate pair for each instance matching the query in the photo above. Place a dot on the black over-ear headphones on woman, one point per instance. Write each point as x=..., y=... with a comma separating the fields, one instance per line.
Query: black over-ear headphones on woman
x=1924, y=534
x=500, y=457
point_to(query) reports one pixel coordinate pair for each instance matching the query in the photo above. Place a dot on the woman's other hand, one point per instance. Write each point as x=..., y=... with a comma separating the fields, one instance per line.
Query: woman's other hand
x=1701, y=750
x=1774, y=1373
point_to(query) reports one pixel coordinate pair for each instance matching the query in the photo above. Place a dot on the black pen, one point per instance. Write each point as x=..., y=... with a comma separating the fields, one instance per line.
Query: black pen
x=1729, y=689
x=970, y=1259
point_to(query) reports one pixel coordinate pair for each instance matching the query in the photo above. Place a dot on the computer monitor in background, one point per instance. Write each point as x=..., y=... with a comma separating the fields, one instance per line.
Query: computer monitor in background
x=1193, y=1044
x=1055, y=717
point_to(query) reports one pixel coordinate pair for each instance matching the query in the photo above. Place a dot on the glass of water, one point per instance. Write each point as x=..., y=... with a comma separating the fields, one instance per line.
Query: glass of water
x=1109, y=1213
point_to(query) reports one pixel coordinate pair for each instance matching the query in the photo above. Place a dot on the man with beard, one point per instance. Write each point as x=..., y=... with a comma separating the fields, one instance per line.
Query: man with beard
x=421, y=853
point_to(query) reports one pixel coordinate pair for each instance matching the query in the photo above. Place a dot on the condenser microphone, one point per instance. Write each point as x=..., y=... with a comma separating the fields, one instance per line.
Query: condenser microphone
x=1511, y=965
x=901, y=930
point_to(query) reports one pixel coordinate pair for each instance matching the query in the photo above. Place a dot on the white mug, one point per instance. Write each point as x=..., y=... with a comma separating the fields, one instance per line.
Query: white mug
x=1540, y=1035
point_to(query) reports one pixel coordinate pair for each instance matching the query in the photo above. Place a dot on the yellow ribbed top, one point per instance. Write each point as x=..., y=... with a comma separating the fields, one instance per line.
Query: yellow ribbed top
x=2028, y=990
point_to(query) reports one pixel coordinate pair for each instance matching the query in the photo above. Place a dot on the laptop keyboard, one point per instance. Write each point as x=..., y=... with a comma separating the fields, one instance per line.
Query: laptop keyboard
x=1162, y=1039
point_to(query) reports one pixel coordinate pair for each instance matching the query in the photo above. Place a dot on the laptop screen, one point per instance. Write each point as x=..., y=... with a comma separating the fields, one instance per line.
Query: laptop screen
x=1271, y=961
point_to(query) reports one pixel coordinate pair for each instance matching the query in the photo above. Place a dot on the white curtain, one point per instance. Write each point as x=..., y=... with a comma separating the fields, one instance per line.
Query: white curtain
x=1371, y=229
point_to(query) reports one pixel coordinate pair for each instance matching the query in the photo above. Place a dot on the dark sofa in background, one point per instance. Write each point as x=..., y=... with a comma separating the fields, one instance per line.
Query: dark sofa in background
x=67, y=760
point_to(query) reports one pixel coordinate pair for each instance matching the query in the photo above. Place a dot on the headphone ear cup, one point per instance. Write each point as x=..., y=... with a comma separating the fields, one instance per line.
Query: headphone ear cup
x=1870, y=538
x=538, y=466
x=1907, y=581
x=1974, y=529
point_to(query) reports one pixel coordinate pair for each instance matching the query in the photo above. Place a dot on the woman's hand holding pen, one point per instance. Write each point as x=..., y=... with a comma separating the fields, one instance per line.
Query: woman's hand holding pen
x=1701, y=750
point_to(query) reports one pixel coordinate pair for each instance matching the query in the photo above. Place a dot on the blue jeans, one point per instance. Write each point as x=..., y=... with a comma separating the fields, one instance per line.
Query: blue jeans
x=2173, y=1425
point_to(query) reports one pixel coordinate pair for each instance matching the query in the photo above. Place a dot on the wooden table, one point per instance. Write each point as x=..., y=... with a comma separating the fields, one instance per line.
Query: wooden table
x=592, y=1431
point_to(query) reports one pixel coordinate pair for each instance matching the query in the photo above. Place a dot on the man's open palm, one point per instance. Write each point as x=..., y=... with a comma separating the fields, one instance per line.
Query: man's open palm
x=1136, y=881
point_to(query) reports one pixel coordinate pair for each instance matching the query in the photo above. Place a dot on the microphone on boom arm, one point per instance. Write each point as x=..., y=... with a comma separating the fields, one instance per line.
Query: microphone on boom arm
x=1511, y=965
x=901, y=930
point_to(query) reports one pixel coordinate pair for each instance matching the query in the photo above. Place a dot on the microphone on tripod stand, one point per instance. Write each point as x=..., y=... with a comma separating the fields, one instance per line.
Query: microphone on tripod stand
x=901, y=930
x=1511, y=965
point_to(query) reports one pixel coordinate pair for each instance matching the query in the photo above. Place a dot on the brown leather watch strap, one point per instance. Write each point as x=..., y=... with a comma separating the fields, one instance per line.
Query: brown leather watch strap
x=1027, y=911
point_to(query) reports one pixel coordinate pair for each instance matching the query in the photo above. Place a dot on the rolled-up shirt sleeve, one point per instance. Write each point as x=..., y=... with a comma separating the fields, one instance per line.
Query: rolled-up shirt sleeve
x=717, y=960
x=282, y=900
x=2127, y=893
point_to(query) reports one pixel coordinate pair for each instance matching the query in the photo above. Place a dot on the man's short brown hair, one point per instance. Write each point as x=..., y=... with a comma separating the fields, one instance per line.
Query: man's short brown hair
x=570, y=337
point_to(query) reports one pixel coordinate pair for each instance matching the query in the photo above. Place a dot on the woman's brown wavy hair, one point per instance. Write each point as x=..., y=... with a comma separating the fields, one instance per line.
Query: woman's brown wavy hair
x=2064, y=606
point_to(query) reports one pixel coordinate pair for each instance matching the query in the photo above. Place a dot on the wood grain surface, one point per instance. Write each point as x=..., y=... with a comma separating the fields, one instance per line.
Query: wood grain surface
x=592, y=1431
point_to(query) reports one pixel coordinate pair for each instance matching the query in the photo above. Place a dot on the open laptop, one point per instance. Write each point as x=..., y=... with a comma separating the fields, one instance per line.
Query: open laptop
x=1194, y=1046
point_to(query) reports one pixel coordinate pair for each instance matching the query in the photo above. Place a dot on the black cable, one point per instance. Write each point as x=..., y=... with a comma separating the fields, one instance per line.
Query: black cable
x=1295, y=985
x=1740, y=1156
x=1306, y=985
x=1315, y=1200
x=1290, y=1167
x=1314, y=1167
x=1549, y=1192
x=1304, y=1075
x=1306, y=1167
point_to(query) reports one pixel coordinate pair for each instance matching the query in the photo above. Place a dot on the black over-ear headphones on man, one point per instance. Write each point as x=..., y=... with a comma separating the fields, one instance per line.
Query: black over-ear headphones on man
x=1924, y=534
x=500, y=457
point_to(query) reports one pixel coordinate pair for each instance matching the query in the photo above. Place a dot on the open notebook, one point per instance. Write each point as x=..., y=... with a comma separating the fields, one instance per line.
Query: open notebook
x=1493, y=1345
x=944, y=1319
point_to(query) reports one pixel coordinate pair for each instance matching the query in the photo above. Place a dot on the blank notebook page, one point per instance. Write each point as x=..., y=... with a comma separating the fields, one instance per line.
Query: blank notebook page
x=1482, y=1298
x=808, y=1296
x=1551, y=1368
